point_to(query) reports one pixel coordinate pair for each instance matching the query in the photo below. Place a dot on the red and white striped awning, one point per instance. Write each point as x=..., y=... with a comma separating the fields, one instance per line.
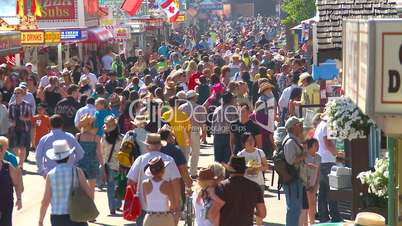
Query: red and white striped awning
x=99, y=34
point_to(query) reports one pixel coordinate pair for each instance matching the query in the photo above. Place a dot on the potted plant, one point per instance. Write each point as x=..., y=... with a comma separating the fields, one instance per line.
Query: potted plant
x=376, y=199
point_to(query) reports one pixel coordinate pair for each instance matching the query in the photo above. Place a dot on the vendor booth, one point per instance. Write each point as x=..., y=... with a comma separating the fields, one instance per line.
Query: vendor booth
x=66, y=29
x=10, y=46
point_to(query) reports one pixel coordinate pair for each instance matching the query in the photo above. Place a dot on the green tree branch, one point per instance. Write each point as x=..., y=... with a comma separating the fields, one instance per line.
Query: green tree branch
x=297, y=11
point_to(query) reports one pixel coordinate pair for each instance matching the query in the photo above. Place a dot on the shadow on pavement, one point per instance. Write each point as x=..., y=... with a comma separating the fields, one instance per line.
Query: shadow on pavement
x=272, y=224
x=25, y=172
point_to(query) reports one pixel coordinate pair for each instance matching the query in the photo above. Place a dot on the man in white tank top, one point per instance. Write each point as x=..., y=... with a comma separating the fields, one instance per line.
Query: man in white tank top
x=158, y=195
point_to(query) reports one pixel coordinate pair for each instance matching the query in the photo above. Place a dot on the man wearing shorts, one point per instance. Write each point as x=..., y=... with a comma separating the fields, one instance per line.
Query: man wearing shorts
x=20, y=113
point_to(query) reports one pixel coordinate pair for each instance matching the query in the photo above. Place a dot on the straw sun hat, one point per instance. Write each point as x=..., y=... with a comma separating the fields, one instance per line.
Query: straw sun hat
x=110, y=124
x=86, y=123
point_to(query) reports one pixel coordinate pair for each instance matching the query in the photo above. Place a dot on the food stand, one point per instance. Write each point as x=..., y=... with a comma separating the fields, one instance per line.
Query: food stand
x=10, y=46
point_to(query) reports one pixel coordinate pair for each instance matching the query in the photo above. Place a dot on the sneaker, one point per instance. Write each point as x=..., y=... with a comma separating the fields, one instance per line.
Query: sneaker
x=112, y=213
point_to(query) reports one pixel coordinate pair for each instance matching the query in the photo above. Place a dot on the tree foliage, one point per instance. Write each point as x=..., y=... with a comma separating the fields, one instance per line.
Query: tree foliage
x=297, y=11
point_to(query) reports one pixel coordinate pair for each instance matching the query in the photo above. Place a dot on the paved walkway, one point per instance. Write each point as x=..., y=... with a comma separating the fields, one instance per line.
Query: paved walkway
x=34, y=188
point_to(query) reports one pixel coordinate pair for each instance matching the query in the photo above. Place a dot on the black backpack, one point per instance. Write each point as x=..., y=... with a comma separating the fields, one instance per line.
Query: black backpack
x=287, y=173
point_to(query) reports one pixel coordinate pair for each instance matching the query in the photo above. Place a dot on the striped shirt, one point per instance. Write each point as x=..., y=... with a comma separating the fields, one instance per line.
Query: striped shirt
x=60, y=183
x=24, y=109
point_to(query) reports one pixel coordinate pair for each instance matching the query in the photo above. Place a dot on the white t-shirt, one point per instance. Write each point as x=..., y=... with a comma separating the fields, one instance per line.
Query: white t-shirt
x=107, y=61
x=319, y=134
x=44, y=81
x=255, y=156
x=137, y=173
x=284, y=99
x=92, y=79
x=199, y=210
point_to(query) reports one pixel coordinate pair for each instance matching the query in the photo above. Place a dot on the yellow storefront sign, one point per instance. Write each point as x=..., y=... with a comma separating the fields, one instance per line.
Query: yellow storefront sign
x=32, y=37
x=181, y=18
x=52, y=37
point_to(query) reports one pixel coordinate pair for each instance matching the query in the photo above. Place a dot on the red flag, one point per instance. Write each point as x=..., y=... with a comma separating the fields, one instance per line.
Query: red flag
x=131, y=6
x=36, y=8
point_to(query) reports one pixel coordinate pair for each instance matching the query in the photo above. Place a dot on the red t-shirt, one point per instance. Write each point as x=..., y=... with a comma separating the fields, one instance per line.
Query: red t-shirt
x=41, y=124
x=192, y=83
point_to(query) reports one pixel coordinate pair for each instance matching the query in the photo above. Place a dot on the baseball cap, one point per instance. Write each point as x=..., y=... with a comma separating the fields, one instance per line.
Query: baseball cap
x=292, y=121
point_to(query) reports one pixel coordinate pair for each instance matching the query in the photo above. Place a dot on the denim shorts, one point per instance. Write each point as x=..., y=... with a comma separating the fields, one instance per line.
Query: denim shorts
x=20, y=139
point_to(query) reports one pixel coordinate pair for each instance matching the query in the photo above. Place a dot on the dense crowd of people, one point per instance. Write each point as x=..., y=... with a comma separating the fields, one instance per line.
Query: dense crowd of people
x=143, y=117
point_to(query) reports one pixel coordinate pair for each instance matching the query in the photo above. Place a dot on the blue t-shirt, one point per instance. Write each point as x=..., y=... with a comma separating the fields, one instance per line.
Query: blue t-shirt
x=100, y=120
x=163, y=50
x=175, y=152
x=11, y=158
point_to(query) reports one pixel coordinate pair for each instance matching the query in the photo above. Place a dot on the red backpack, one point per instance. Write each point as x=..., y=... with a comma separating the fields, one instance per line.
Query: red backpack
x=132, y=204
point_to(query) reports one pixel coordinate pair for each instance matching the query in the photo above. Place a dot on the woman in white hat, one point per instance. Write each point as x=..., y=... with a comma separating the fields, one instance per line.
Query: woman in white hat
x=60, y=179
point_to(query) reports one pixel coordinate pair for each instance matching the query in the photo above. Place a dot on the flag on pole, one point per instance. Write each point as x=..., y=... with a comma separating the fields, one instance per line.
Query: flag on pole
x=36, y=8
x=20, y=8
x=131, y=6
x=171, y=9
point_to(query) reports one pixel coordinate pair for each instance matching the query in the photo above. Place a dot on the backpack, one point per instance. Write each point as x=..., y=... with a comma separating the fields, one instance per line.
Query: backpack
x=287, y=173
x=129, y=150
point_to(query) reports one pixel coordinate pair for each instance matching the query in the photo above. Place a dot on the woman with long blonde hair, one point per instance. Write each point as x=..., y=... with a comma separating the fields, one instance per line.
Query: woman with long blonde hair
x=190, y=69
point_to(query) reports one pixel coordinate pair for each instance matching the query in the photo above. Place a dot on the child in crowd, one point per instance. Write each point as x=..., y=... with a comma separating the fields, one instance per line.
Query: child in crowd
x=313, y=161
x=256, y=163
x=40, y=125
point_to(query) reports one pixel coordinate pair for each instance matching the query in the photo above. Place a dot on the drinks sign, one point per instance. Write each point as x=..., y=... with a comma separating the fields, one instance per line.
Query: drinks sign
x=32, y=37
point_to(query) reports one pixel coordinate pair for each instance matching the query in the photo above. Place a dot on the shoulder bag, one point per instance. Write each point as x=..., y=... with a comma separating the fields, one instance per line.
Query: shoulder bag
x=132, y=204
x=81, y=207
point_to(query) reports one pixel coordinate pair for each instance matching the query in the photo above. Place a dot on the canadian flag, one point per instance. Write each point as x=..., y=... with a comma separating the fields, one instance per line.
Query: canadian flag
x=171, y=9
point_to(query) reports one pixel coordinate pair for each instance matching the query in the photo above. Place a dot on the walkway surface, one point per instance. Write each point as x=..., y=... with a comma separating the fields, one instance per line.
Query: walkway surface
x=34, y=188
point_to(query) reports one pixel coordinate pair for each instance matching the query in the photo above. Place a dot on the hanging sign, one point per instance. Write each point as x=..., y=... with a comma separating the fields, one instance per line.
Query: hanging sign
x=32, y=37
x=52, y=37
x=10, y=42
x=122, y=33
x=58, y=9
x=70, y=35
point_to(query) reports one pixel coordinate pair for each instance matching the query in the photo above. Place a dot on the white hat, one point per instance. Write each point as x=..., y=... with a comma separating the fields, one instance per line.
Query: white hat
x=60, y=150
x=181, y=95
x=3, y=65
x=304, y=76
x=28, y=64
x=191, y=93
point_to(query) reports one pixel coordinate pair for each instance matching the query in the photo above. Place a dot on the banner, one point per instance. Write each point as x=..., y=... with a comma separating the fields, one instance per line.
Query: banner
x=52, y=36
x=10, y=42
x=56, y=9
x=71, y=35
x=207, y=5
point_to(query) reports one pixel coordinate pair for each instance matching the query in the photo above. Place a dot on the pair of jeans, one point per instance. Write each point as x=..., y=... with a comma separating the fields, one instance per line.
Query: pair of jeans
x=294, y=202
x=64, y=220
x=323, y=202
x=222, y=148
x=114, y=203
